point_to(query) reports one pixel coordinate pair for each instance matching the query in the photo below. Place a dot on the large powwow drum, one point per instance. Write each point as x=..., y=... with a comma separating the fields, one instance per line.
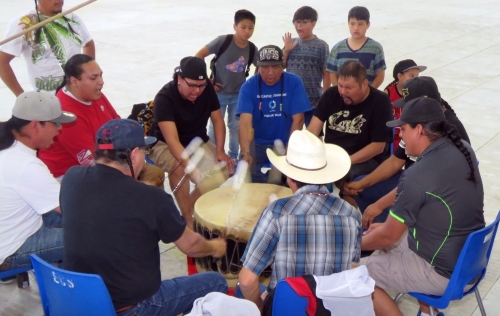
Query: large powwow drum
x=221, y=212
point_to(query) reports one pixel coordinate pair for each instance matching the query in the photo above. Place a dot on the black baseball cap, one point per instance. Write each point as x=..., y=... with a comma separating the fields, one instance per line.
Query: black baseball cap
x=418, y=87
x=406, y=65
x=270, y=55
x=421, y=110
x=192, y=68
x=122, y=134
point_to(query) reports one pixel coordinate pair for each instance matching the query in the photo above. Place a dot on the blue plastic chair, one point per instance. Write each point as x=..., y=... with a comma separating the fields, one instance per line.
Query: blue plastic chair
x=9, y=273
x=71, y=293
x=287, y=302
x=472, y=262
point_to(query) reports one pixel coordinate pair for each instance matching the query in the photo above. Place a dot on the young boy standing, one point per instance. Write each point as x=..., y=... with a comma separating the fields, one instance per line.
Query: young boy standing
x=358, y=47
x=403, y=71
x=231, y=71
x=306, y=56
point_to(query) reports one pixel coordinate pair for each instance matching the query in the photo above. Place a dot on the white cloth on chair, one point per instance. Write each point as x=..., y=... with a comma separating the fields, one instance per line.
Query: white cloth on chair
x=218, y=304
x=347, y=293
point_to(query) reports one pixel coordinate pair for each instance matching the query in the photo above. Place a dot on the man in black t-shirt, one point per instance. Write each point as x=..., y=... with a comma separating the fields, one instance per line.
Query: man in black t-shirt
x=379, y=187
x=181, y=112
x=113, y=224
x=355, y=116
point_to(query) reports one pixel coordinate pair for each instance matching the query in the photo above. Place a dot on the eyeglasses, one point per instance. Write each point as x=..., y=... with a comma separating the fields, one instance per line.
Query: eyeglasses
x=194, y=86
x=301, y=22
x=56, y=124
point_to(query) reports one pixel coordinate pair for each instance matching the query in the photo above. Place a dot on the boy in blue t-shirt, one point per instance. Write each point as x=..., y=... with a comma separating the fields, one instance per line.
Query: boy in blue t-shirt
x=360, y=48
x=306, y=56
x=230, y=72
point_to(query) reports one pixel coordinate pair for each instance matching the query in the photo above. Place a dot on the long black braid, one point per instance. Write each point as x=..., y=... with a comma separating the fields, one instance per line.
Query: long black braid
x=439, y=129
x=39, y=30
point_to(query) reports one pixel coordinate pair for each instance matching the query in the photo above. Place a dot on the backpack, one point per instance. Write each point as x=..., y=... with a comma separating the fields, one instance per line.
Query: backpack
x=143, y=113
x=221, y=51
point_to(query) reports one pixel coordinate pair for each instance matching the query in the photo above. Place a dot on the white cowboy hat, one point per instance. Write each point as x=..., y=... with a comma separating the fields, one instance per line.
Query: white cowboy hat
x=308, y=160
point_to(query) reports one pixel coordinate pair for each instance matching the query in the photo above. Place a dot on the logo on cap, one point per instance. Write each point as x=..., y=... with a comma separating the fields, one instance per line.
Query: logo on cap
x=269, y=54
x=405, y=92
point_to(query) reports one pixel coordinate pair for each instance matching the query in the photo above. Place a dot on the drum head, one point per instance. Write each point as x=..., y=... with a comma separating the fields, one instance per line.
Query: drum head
x=236, y=213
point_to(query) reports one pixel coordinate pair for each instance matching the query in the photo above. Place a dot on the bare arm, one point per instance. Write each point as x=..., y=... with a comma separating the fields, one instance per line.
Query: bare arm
x=334, y=78
x=219, y=129
x=169, y=131
x=249, y=285
x=379, y=78
x=386, y=170
x=89, y=49
x=7, y=74
x=245, y=136
x=326, y=80
x=315, y=126
x=297, y=122
x=367, y=152
x=194, y=245
x=383, y=236
x=375, y=209
x=202, y=53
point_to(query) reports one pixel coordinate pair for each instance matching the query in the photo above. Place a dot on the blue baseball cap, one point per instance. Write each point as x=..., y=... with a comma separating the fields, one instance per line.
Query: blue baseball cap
x=122, y=134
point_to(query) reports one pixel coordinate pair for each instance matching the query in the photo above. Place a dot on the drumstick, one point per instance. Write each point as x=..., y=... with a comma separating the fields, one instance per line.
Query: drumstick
x=239, y=177
x=191, y=166
x=279, y=147
x=38, y=25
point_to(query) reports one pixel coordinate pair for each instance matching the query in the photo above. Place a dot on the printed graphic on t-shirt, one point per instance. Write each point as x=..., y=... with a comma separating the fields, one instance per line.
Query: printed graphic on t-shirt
x=47, y=40
x=237, y=66
x=353, y=126
x=84, y=157
x=49, y=83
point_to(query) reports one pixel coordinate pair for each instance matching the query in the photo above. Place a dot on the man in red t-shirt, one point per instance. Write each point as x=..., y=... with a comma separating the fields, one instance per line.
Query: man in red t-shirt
x=75, y=144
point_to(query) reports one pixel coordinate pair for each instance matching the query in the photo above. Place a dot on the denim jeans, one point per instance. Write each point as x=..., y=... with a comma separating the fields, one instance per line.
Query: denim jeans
x=372, y=193
x=229, y=102
x=258, y=152
x=177, y=295
x=47, y=243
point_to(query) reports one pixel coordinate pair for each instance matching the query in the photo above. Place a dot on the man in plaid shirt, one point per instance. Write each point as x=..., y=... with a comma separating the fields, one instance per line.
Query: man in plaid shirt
x=311, y=232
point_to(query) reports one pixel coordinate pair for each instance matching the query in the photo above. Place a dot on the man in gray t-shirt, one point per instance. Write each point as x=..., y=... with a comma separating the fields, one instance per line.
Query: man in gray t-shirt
x=230, y=71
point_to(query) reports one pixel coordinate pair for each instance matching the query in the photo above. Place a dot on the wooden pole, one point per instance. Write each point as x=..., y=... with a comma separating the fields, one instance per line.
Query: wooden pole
x=38, y=25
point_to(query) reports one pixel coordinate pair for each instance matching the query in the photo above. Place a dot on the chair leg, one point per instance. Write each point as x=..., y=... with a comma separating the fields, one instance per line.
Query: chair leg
x=398, y=297
x=479, y=302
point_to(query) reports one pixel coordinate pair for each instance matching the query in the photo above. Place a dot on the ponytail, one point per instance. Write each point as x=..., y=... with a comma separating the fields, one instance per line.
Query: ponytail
x=7, y=129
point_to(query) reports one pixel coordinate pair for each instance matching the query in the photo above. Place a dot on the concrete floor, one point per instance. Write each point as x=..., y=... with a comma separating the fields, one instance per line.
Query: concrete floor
x=140, y=42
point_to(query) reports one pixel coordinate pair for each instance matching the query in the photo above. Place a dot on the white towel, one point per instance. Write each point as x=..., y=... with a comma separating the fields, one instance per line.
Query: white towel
x=218, y=304
x=347, y=293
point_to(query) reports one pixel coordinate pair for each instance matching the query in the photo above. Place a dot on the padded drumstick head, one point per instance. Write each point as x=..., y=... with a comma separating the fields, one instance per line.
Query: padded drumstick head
x=279, y=147
x=240, y=174
x=191, y=148
x=273, y=197
x=195, y=160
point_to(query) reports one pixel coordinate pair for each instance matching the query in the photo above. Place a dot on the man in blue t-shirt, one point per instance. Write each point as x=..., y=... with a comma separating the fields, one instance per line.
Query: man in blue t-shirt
x=271, y=106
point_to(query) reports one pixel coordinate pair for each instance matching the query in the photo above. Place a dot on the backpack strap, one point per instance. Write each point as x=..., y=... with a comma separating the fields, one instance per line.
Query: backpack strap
x=222, y=49
x=250, y=58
